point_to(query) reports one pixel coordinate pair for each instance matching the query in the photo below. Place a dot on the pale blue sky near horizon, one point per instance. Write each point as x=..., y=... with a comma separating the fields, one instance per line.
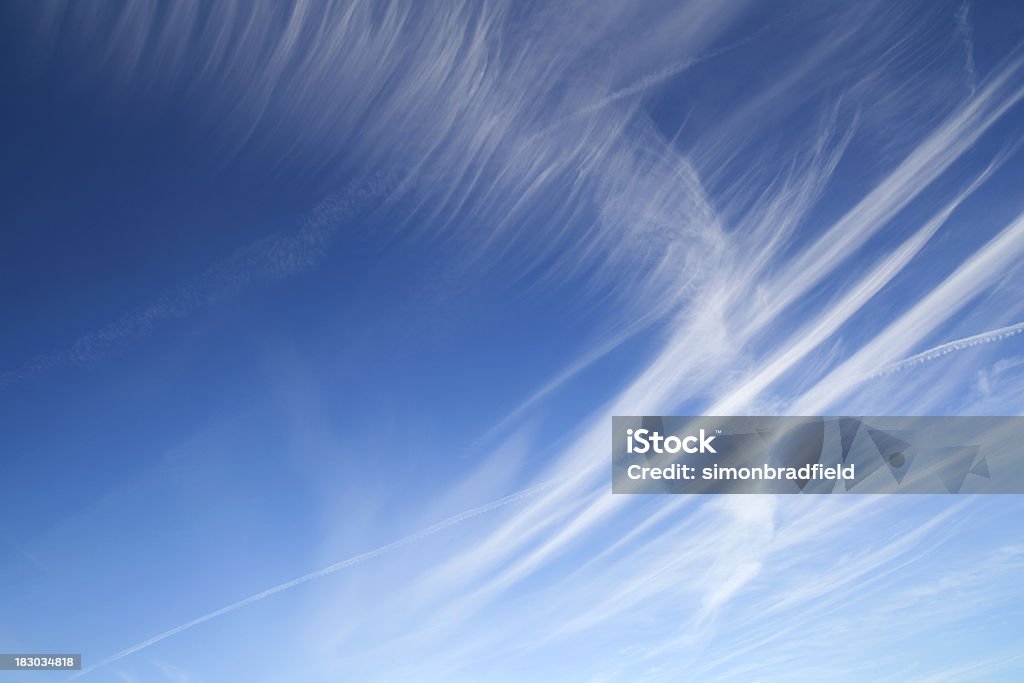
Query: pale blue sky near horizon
x=357, y=286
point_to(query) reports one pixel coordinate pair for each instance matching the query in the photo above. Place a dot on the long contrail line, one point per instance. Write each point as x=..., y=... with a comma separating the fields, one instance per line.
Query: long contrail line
x=338, y=566
x=949, y=347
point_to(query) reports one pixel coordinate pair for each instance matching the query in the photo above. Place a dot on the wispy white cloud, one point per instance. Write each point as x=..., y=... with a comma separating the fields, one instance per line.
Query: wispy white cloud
x=981, y=270
x=966, y=31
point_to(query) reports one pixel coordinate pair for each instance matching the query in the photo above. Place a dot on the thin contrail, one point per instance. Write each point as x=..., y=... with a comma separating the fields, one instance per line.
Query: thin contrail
x=652, y=79
x=338, y=566
x=949, y=347
x=263, y=261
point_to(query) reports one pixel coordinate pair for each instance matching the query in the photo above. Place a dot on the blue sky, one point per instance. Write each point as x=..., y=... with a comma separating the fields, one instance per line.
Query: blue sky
x=316, y=315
